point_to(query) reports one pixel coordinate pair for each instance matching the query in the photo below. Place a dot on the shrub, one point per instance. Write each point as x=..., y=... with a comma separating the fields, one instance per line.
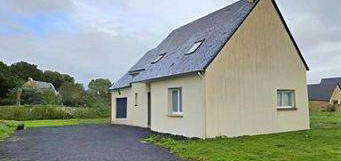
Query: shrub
x=91, y=113
x=50, y=98
x=8, y=127
x=50, y=112
x=331, y=108
x=32, y=97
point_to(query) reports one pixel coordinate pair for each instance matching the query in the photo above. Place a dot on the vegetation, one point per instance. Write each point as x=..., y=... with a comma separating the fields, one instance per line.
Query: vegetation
x=8, y=127
x=8, y=80
x=71, y=94
x=321, y=143
x=54, y=123
x=13, y=77
x=24, y=113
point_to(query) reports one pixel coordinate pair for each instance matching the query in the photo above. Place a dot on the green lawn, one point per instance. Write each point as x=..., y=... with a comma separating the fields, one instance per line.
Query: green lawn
x=53, y=123
x=8, y=127
x=322, y=143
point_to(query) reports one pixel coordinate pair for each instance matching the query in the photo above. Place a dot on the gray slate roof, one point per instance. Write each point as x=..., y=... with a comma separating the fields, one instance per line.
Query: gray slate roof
x=44, y=85
x=215, y=29
x=324, y=90
x=335, y=80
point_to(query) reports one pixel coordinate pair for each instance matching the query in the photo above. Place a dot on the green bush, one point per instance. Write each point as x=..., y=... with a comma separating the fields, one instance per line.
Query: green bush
x=8, y=127
x=91, y=113
x=50, y=98
x=50, y=112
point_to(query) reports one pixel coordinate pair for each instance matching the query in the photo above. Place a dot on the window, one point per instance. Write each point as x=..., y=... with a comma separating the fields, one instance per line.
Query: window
x=158, y=58
x=136, y=72
x=175, y=101
x=136, y=99
x=286, y=99
x=194, y=47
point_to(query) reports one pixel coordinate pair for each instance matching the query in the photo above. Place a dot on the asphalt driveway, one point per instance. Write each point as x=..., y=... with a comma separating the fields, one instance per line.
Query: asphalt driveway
x=82, y=143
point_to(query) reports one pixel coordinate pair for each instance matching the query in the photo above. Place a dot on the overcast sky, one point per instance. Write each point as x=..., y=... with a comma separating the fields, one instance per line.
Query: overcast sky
x=104, y=38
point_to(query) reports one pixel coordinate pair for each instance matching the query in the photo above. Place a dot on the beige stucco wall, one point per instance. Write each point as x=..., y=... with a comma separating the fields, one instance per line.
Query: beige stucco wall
x=136, y=115
x=192, y=124
x=243, y=80
x=336, y=96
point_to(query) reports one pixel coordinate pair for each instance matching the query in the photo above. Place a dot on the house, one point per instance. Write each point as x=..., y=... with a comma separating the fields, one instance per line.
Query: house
x=234, y=72
x=327, y=92
x=39, y=85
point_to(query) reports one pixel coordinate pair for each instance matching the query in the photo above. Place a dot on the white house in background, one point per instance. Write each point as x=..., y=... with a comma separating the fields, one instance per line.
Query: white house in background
x=237, y=71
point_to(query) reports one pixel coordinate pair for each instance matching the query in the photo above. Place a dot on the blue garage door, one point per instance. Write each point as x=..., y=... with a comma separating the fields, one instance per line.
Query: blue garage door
x=121, y=108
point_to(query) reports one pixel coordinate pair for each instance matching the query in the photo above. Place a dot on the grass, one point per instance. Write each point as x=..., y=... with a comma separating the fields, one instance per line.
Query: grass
x=7, y=128
x=322, y=143
x=47, y=112
x=55, y=123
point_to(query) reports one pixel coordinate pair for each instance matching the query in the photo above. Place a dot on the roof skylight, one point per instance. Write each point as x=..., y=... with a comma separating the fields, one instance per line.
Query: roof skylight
x=136, y=72
x=194, y=47
x=158, y=58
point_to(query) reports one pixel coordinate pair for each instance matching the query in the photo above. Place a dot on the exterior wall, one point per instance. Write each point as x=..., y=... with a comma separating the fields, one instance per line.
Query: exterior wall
x=136, y=115
x=336, y=96
x=192, y=124
x=243, y=80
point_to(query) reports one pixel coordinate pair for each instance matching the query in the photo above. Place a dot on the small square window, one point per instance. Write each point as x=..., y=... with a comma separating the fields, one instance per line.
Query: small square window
x=286, y=99
x=194, y=47
x=158, y=58
x=175, y=101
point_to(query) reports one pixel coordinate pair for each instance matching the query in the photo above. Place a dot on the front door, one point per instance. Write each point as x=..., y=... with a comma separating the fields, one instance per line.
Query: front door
x=149, y=109
x=121, y=108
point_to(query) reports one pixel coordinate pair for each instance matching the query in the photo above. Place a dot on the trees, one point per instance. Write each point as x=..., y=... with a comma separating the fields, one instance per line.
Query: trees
x=100, y=86
x=98, y=96
x=25, y=70
x=56, y=78
x=8, y=80
x=73, y=94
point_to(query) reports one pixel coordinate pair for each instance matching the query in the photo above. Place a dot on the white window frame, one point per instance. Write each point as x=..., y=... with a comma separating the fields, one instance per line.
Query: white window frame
x=179, y=102
x=293, y=97
x=195, y=47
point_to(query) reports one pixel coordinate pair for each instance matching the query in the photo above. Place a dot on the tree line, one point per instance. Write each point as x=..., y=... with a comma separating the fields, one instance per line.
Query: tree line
x=71, y=93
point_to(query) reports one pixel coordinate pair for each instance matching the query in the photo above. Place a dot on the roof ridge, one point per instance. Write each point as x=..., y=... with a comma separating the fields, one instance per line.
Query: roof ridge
x=207, y=15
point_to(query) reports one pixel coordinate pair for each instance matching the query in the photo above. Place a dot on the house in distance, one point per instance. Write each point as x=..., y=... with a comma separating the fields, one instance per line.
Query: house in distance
x=234, y=72
x=327, y=92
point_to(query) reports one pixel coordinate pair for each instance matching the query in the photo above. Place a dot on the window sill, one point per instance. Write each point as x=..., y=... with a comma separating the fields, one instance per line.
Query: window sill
x=175, y=115
x=287, y=109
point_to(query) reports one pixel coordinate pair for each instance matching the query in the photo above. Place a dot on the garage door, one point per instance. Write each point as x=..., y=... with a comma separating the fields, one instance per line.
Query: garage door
x=121, y=108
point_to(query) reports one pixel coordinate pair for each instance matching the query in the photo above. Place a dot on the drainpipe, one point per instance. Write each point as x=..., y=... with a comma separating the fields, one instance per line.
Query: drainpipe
x=201, y=75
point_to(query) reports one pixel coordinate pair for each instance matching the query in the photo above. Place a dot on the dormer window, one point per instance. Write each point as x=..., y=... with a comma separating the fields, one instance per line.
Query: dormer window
x=136, y=72
x=158, y=58
x=195, y=47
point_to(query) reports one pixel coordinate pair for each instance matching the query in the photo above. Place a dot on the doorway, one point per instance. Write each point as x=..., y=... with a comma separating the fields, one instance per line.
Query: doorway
x=121, y=108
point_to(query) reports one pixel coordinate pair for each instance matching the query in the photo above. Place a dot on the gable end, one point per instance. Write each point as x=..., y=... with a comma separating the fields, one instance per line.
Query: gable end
x=284, y=24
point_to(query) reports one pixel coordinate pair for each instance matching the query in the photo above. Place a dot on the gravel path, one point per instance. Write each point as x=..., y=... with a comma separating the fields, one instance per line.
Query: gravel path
x=82, y=143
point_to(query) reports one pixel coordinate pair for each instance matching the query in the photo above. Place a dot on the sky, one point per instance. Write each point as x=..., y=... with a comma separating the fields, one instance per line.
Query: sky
x=102, y=39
